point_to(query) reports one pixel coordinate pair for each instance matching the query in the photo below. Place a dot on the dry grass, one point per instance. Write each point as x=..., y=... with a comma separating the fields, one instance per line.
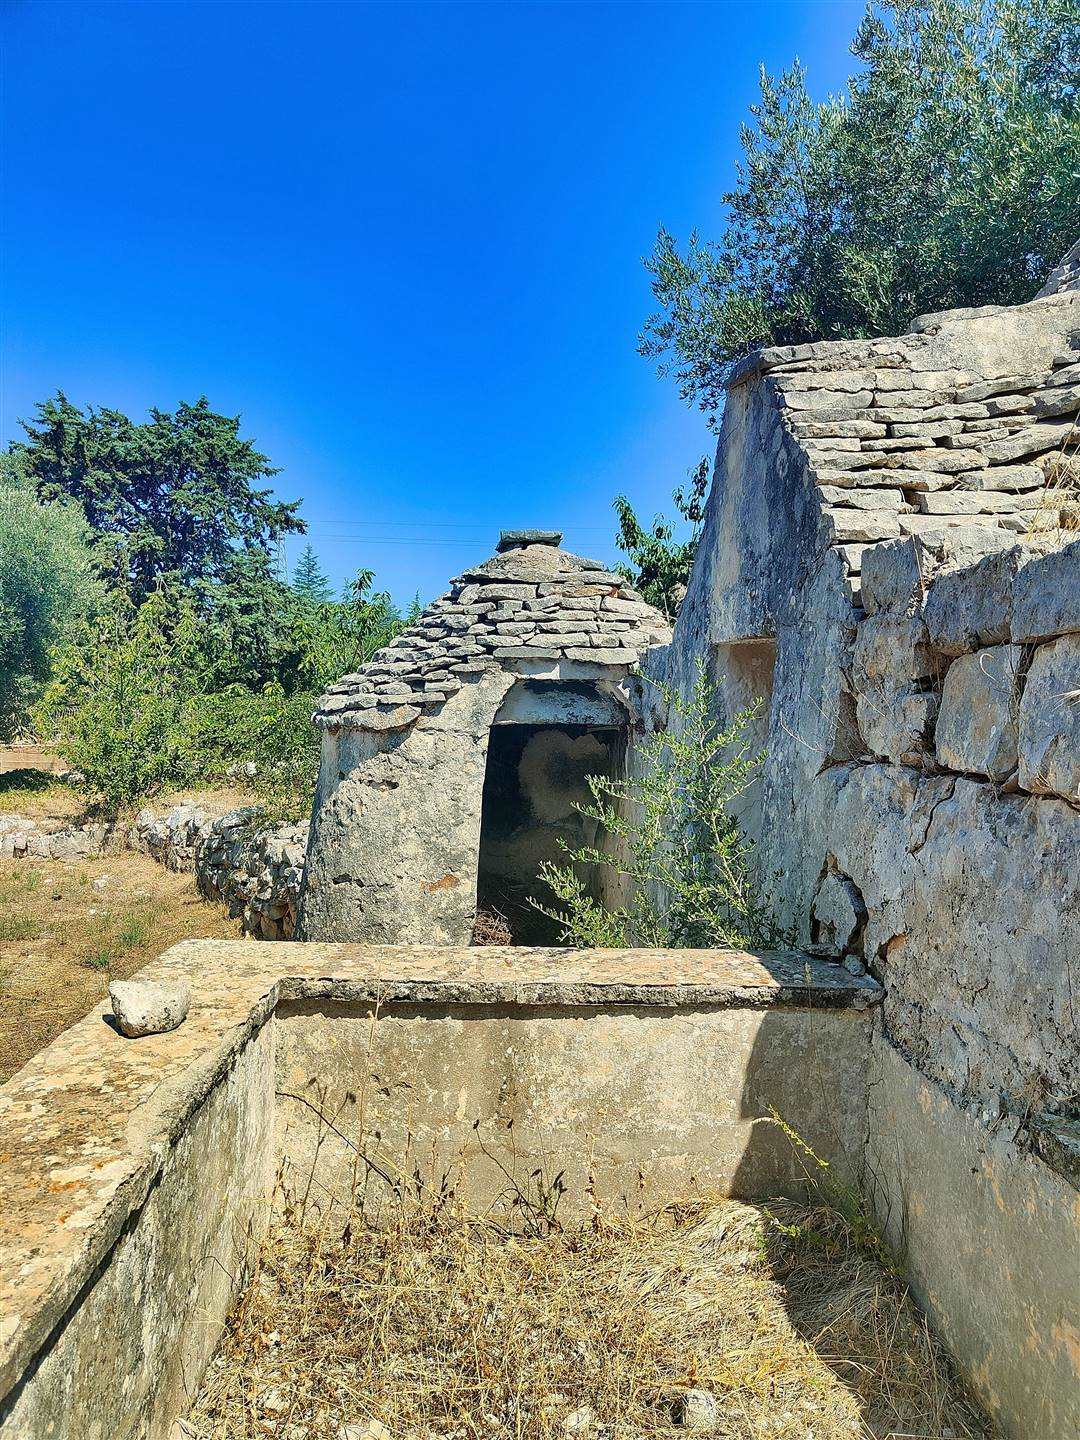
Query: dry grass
x=40, y=796
x=442, y=1326
x=491, y=927
x=62, y=939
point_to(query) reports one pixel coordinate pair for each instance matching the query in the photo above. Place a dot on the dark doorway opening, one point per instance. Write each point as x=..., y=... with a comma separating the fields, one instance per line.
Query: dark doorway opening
x=535, y=774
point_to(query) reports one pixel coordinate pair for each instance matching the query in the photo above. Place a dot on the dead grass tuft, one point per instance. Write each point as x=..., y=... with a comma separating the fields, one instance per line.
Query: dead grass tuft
x=491, y=927
x=439, y=1324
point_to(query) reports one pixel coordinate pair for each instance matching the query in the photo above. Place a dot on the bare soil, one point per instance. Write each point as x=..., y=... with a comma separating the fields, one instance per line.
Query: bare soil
x=63, y=937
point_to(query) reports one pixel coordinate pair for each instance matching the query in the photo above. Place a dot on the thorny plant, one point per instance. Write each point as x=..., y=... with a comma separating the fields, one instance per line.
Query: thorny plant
x=671, y=838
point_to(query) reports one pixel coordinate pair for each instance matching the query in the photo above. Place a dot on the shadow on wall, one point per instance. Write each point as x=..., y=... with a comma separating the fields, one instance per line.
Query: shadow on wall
x=843, y=1290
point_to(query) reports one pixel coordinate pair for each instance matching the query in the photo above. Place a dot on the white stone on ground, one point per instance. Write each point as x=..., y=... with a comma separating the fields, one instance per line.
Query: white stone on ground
x=697, y=1410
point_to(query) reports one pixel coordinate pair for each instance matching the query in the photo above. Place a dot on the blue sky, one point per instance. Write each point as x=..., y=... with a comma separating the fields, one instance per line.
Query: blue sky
x=403, y=241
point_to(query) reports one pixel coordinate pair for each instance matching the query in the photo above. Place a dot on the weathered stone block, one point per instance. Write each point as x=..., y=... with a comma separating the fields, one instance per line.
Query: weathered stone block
x=1063, y=401
x=949, y=462
x=1049, y=735
x=1046, y=435
x=147, y=1007
x=845, y=527
x=976, y=502
x=977, y=719
x=934, y=525
x=891, y=650
x=970, y=607
x=877, y=499
x=892, y=576
x=896, y=725
x=1046, y=596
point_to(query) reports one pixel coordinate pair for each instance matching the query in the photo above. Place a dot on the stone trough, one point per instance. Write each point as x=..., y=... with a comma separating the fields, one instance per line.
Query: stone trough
x=138, y=1174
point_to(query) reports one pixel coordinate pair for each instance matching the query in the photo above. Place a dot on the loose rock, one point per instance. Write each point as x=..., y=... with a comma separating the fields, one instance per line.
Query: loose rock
x=149, y=1007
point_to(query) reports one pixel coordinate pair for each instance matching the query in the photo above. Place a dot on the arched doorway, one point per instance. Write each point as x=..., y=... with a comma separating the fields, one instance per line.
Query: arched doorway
x=546, y=740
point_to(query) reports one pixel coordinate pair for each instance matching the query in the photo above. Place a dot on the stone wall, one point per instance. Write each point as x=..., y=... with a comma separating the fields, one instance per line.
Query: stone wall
x=253, y=868
x=1064, y=277
x=24, y=838
x=889, y=526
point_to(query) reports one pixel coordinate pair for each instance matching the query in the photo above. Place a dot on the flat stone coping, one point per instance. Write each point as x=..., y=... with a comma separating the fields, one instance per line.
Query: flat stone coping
x=86, y=1125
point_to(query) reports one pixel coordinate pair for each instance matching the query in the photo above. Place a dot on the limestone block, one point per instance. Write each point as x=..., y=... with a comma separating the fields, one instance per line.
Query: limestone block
x=1046, y=435
x=1049, y=740
x=1003, y=385
x=1010, y=404
x=1063, y=401
x=1046, y=596
x=838, y=429
x=146, y=1007
x=928, y=380
x=935, y=524
x=847, y=527
x=892, y=576
x=891, y=651
x=969, y=607
x=827, y=401
x=950, y=462
x=977, y=502
x=879, y=499
x=826, y=473
x=896, y=725
x=927, y=429
x=977, y=719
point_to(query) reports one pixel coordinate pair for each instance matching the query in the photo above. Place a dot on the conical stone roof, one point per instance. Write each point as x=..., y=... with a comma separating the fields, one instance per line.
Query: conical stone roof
x=530, y=603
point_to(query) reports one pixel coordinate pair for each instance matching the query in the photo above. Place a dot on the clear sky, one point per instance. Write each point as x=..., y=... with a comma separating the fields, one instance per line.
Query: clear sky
x=403, y=241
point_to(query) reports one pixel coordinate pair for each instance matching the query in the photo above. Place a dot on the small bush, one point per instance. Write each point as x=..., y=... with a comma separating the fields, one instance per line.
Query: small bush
x=673, y=836
x=116, y=701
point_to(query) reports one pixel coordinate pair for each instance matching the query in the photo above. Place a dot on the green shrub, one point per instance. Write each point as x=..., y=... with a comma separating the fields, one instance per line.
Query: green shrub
x=945, y=177
x=117, y=701
x=268, y=731
x=46, y=587
x=673, y=837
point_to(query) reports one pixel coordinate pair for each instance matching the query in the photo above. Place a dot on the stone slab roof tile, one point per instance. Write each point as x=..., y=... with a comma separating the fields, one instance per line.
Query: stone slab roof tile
x=530, y=601
x=897, y=436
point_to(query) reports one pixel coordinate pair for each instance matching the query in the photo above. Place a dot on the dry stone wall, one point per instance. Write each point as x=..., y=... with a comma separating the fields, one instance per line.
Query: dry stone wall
x=24, y=838
x=253, y=868
x=897, y=445
x=893, y=524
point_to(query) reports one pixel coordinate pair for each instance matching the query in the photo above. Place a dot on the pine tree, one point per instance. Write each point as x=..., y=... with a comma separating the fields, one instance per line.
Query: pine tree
x=308, y=579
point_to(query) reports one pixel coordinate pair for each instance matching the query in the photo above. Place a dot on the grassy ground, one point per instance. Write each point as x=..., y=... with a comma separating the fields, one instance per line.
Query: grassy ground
x=66, y=929
x=444, y=1327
